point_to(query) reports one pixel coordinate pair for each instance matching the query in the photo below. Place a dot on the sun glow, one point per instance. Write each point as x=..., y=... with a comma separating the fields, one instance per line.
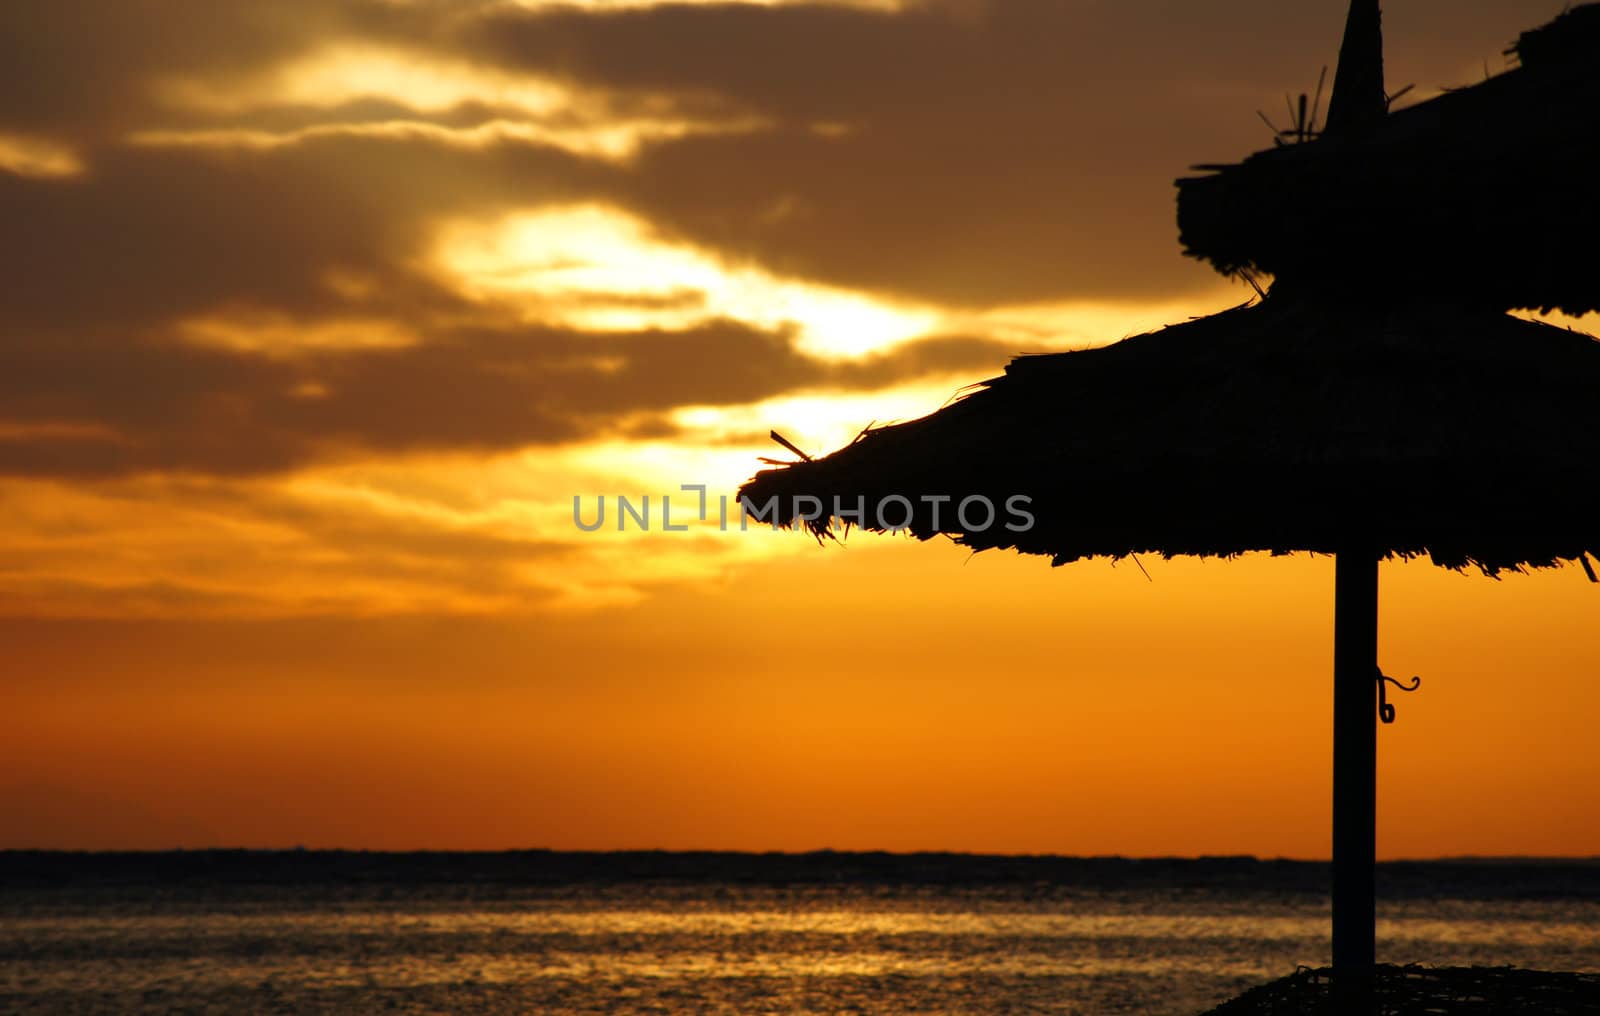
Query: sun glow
x=818, y=422
x=337, y=75
x=38, y=158
x=623, y=5
x=597, y=268
x=617, y=141
x=515, y=107
x=279, y=335
x=1082, y=324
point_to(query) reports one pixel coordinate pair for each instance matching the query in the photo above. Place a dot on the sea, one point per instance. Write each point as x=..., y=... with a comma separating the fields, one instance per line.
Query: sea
x=242, y=932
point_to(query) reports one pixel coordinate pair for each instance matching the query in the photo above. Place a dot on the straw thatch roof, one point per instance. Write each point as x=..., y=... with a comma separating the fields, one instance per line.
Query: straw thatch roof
x=1299, y=423
x=1485, y=193
x=1378, y=400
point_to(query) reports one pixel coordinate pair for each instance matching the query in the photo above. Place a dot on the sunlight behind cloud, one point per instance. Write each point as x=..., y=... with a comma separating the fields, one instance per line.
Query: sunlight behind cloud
x=518, y=107
x=624, y=5
x=597, y=268
x=275, y=334
x=336, y=75
x=36, y=157
x=436, y=534
x=1083, y=324
x=157, y=547
x=818, y=422
x=256, y=548
x=527, y=497
x=617, y=141
x=440, y=533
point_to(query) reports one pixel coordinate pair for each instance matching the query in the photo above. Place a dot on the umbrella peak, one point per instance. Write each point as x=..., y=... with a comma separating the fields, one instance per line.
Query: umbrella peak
x=1359, y=100
x=1482, y=195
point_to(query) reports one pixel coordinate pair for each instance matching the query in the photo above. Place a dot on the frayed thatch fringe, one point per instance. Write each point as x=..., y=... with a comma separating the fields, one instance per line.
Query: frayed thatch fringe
x=1290, y=425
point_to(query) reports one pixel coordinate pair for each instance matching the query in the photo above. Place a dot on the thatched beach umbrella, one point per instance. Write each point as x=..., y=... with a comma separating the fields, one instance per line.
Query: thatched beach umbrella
x=1378, y=402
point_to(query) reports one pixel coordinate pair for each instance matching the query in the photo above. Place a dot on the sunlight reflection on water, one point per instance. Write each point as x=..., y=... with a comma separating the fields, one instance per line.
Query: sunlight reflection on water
x=716, y=950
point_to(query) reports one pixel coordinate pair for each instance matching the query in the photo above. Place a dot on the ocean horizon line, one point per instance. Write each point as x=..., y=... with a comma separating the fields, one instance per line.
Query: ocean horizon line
x=819, y=853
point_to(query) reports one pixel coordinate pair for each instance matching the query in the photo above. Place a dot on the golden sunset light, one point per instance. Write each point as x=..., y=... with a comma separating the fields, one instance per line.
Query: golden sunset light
x=384, y=628
x=318, y=317
x=37, y=157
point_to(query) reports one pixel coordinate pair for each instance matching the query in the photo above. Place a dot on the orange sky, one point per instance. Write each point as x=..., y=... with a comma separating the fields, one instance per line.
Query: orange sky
x=316, y=316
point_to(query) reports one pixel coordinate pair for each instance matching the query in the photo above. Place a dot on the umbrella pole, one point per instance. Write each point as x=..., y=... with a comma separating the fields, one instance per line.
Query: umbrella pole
x=1355, y=777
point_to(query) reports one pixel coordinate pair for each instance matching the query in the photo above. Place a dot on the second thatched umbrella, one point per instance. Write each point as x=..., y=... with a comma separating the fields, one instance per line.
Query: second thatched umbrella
x=1353, y=411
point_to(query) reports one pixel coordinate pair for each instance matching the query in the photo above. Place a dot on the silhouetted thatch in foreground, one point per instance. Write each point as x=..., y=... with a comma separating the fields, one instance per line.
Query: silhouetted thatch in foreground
x=1293, y=424
x=1424, y=991
x=1378, y=401
x=1485, y=193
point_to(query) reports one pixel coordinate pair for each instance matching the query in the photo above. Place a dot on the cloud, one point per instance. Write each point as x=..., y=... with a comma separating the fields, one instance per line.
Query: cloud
x=37, y=157
x=1023, y=152
x=613, y=6
x=266, y=259
x=156, y=235
x=1018, y=152
x=113, y=408
x=87, y=67
x=617, y=141
x=164, y=547
x=330, y=92
x=592, y=267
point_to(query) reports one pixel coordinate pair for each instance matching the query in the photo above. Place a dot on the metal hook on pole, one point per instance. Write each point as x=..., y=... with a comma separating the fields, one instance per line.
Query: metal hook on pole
x=1385, y=710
